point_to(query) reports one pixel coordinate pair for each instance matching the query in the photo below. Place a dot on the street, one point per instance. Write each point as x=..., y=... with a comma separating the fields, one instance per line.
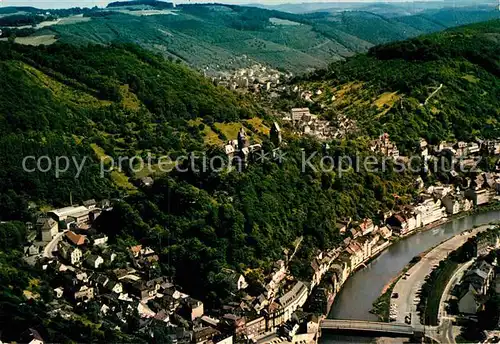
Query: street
x=408, y=286
x=52, y=245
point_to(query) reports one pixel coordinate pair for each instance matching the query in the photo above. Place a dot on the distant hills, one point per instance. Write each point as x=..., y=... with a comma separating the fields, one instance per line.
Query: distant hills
x=150, y=3
x=408, y=8
x=120, y=100
x=224, y=37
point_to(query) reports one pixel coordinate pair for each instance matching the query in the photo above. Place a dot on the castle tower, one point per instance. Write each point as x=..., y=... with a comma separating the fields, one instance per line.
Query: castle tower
x=275, y=134
x=242, y=139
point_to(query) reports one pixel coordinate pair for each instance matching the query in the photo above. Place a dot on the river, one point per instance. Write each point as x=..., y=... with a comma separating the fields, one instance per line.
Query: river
x=359, y=292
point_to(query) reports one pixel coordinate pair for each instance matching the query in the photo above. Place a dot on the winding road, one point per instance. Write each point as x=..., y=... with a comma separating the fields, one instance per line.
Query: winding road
x=52, y=245
x=407, y=287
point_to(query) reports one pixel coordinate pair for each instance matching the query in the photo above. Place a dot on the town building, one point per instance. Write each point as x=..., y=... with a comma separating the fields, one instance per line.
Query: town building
x=472, y=148
x=385, y=232
x=424, y=148
x=90, y=204
x=474, y=286
x=31, y=336
x=341, y=268
x=430, y=211
x=275, y=134
x=468, y=301
x=83, y=293
x=75, y=239
x=319, y=300
x=255, y=327
x=194, y=308
x=356, y=252
x=204, y=334
x=480, y=276
x=492, y=147
x=146, y=182
x=48, y=228
x=341, y=227
x=243, y=141
x=70, y=253
x=456, y=203
x=99, y=239
x=481, y=196
x=384, y=146
x=94, y=261
x=367, y=226
x=293, y=299
x=300, y=114
x=78, y=214
x=405, y=222
x=223, y=338
x=237, y=281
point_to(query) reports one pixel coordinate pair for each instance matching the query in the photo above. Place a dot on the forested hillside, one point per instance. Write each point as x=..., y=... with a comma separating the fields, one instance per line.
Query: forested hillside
x=440, y=86
x=121, y=100
x=85, y=103
x=91, y=101
x=227, y=36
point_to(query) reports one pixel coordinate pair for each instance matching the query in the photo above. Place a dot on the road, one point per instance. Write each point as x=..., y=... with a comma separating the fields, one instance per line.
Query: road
x=446, y=322
x=407, y=289
x=371, y=326
x=52, y=245
x=433, y=94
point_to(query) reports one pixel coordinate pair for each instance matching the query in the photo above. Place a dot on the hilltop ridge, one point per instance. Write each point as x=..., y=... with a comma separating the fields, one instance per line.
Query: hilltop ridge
x=225, y=37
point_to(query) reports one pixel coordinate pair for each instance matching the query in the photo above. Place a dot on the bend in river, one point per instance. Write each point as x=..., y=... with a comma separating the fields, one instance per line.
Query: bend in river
x=359, y=292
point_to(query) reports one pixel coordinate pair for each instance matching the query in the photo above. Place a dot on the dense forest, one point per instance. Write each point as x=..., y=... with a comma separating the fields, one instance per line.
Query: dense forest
x=225, y=37
x=91, y=101
x=121, y=100
x=85, y=103
x=209, y=221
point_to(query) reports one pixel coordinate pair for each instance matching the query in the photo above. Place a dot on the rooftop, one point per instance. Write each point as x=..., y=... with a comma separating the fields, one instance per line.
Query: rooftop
x=75, y=239
x=69, y=211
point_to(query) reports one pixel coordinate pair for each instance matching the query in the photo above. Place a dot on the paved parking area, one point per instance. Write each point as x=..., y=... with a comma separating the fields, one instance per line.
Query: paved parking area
x=407, y=287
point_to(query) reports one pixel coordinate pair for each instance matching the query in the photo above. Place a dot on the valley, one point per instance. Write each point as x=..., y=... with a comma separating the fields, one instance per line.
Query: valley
x=228, y=37
x=229, y=167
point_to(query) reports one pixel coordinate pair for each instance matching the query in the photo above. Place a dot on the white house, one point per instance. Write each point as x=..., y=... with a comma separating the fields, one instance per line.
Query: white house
x=48, y=228
x=293, y=299
x=70, y=253
x=430, y=211
x=79, y=212
x=94, y=261
x=100, y=239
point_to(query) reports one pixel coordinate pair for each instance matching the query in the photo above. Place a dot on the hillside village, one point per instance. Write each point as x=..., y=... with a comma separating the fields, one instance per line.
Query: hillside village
x=257, y=78
x=85, y=270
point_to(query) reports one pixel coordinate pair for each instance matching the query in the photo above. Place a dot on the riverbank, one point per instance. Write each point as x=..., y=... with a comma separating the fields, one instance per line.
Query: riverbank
x=358, y=293
x=381, y=306
x=382, y=303
x=408, y=288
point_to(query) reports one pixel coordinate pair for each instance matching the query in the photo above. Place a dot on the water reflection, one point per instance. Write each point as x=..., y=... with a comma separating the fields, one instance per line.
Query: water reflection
x=356, y=297
x=362, y=289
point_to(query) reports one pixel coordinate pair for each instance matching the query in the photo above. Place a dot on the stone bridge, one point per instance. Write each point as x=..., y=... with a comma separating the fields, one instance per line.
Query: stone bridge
x=369, y=326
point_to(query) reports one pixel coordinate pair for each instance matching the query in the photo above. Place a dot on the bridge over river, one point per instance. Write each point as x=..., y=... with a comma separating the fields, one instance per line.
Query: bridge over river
x=383, y=328
x=356, y=297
